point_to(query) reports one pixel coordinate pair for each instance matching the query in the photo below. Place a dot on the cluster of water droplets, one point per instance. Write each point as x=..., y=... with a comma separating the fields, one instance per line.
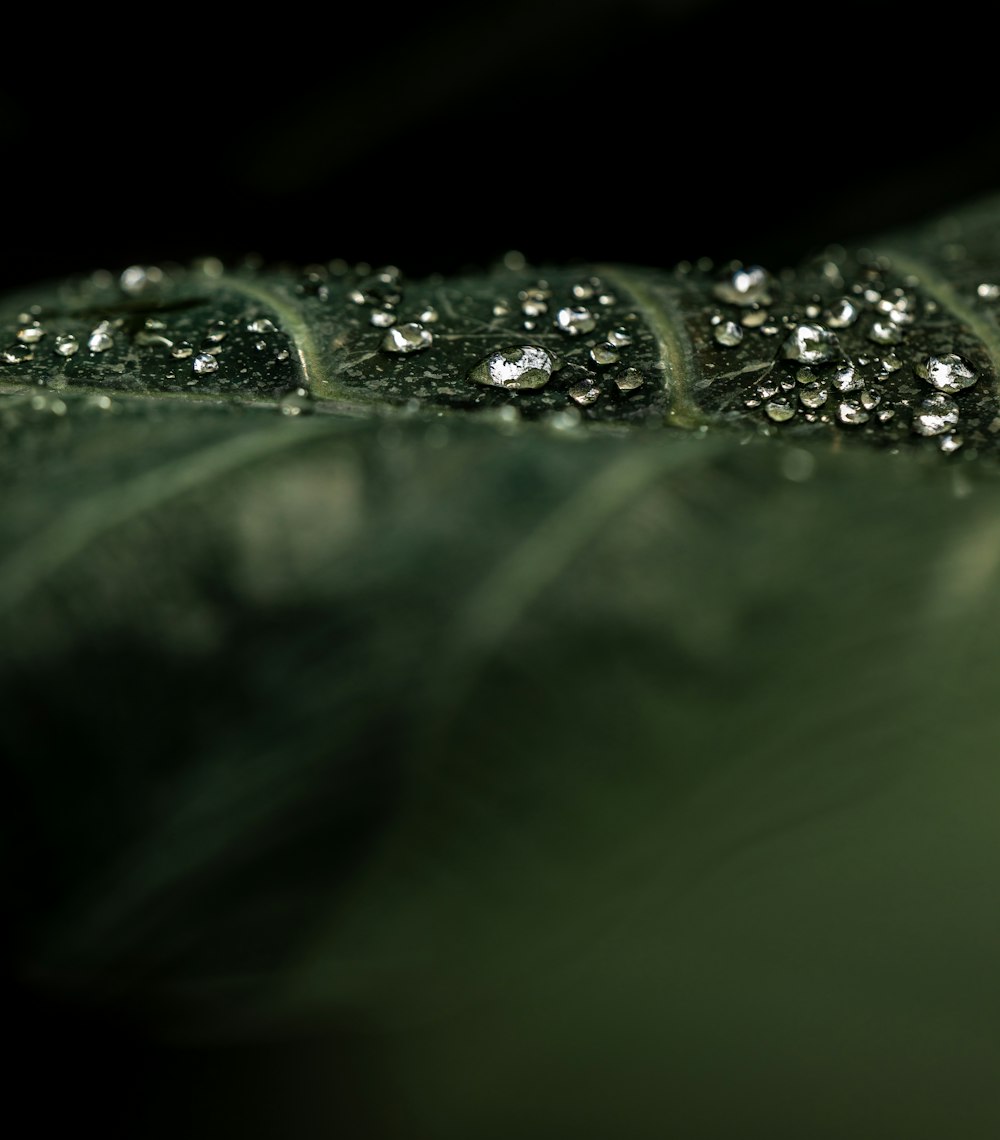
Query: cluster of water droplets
x=848, y=356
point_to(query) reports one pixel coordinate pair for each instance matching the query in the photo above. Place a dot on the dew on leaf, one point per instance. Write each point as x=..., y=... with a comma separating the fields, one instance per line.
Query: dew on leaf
x=842, y=313
x=382, y=318
x=100, y=339
x=629, y=380
x=66, y=344
x=988, y=291
x=584, y=392
x=851, y=412
x=31, y=332
x=811, y=344
x=182, y=350
x=869, y=399
x=780, y=409
x=885, y=332
x=950, y=442
x=16, y=353
x=754, y=318
x=604, y=354
x=620, y=337
x=814, y=395
x=845, y=378
x=948, y=373
x=575, y=320
x=523, y=366
x=744, y=287
x=204, y=363
x=261, y=325
x=411, y=337
x=728, y=334
x=937, y=415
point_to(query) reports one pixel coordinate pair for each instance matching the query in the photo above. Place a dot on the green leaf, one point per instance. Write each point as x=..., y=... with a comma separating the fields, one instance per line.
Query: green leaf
x=546, y=769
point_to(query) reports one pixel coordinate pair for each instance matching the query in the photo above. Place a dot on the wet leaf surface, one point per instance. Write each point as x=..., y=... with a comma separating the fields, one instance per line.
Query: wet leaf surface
x=549, y=763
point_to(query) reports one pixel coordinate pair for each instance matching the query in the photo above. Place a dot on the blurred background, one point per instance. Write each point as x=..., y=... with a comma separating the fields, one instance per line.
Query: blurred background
x=440, y=135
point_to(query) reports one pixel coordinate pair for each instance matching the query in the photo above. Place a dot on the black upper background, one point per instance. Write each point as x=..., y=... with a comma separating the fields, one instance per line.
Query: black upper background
x=437, y=136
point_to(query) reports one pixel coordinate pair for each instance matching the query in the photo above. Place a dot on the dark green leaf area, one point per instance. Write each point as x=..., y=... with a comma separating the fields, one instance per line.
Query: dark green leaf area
x=651, y=765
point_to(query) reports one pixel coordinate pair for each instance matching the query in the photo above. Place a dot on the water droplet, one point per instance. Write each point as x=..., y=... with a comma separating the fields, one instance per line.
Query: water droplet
x=382, y=318
x=16, y=353
x=851, y=412
x=948, y=373
x=780, y=409
x=951, y=442
x=744, y=287
x=428, y=315
x=870, y=399
x=150, y=335
x=842, y=313
x=100, y=339
x=522, y=366
x=629, y=380
x=575, y=320
x=886, y=414
x=182, y=350
x=501, y=309
x=584, y=392
x=261, y=325
x=604, y=354
x=66, y=344
x=217, y=333
x=203, y=364
x=845, y=379
x=812, y=344
x=411, y=337
x=937, y=415
x=768, y=387
x=754, y=318
x=137, y=279
x=728, y=334
x=891, y=363
x=814, y=395
x=31, y=332
x=885, y=332
x=988, y=291
x=620, y=337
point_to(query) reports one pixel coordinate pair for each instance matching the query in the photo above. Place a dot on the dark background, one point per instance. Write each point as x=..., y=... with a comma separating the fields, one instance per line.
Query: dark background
x=441, y=135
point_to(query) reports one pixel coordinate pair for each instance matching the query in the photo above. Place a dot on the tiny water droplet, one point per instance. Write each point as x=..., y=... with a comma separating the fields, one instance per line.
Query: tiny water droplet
x=728, y=334
x=584, y=393
x=204, y=363
x=812, y=344
x=891, y=363
x=937, y=415
x=842, y=313
x=382, y=318
x=845, y=379
x=30, y=333
x=629, y=380
x=851, y=412
x=66, y=344
x=523, y=366
x=604, y=354
x=501, y=309
x=747, y=286
x=780, y=410
x=948, y=373
x=411, y=337
x=814, y=395
x=100, y=339
x=620, y=337
x=138, y=279
x=575, y=320
x=261, y=325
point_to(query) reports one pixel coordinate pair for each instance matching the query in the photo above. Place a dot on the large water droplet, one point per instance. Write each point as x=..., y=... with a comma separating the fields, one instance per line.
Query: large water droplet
x=811, y=344
x=519, y=367
x=842, y=312
x=937, y=414
x=411, y=337
x=948, y=373
x=845, y=378
x=851, y=412
x=780, y=410
x=575, y=320
x=814, y=395
x=629, y=380
x=16, y=353
x=744, y=287
x=604, y=353
x=620, y=337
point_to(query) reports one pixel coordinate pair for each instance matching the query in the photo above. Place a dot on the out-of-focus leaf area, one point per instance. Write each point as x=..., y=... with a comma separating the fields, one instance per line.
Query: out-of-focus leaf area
x=442, y=734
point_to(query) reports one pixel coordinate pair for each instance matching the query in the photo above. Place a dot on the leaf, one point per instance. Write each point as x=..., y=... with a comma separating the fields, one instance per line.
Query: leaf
x=540, y=773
